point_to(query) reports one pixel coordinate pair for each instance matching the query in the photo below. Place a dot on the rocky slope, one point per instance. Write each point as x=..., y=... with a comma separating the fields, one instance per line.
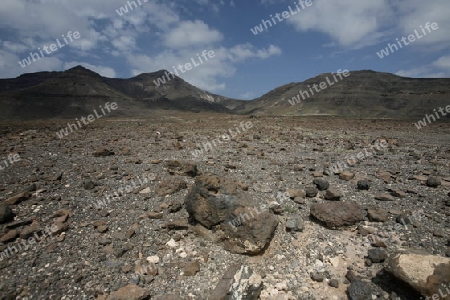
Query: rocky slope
x=362, y=94
x=366, y=94
x=78, y=91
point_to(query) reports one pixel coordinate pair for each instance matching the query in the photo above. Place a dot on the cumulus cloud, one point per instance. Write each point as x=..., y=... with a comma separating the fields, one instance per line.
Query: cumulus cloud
x=209, y=74
x=347, y=21
x=192, y=33
x=439, y=68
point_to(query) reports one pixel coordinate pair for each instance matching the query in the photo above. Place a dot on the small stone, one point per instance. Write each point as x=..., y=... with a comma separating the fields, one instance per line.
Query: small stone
x=172, y=243
x=377, y=215
x=317, y=174
x=276, y=208
x=332, y=194
x=146, y=190
x=155, y=215
x=347, y=176
x=363, y=185
x=351, y=276
x=9, y=236
x=359, y=290
x=192, y=268
x=18, y=198
x=30, y=230
x=294, y=224
x=102, y=152
x=433, y=182
x=321, y=184
x=404, y=219
x=317, y=276
x=88, y=185
x=334, y=283
x=60, y=228
x=377, y=255
x=102, y=228
x=153, y=259
x=311, y=191
x=104, y=241
x=6, y=214
x=398, y=193
x=293, y=193
x=129, y=292
x=384, y=197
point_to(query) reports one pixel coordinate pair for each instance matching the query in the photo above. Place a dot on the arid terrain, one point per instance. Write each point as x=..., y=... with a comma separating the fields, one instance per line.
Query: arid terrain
x=259, y=215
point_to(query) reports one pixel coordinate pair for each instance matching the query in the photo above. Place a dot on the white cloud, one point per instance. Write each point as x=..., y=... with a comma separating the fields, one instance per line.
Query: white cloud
x=10, y=67
x=439, y=68
x=416, y=13
x=443, y=62
x=124, y=43
x=208, y=74
x=347, y=21
x=14, y=47
x=244, y=51
x=191, y=33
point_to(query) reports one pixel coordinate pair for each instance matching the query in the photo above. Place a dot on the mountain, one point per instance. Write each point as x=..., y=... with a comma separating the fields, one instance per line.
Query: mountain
x=364, y=93
x=78, y=91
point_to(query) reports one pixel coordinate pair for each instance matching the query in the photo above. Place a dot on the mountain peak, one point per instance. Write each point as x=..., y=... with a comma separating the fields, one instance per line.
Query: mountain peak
x=81, y=71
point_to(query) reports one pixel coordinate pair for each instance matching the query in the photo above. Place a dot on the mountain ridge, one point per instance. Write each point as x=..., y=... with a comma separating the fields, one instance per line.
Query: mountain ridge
x=364, y=94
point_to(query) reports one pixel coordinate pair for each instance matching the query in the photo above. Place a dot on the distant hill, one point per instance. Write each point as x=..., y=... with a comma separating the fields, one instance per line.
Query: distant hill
x=366, y=94
x=78, y=91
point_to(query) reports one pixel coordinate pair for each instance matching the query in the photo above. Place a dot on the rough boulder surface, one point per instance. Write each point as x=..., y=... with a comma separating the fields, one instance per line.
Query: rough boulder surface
x=428, y=274
x=337, y=214
x=215, y=200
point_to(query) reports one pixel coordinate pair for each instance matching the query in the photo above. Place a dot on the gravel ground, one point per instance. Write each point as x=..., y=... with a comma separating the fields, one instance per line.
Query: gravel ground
x=97, y=249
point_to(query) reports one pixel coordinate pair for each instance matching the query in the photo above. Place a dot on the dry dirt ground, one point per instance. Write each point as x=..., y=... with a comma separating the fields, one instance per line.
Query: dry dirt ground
x=143, y=237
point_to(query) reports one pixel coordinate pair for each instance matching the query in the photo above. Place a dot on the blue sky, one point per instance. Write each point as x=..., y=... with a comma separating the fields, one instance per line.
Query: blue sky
x=325, y=36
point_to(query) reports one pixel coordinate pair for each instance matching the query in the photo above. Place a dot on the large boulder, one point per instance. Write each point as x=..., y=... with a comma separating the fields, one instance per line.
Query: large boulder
x=211, y=199
x=337, y=214
x=248, y=230
x=426, y=273
x=214, y=201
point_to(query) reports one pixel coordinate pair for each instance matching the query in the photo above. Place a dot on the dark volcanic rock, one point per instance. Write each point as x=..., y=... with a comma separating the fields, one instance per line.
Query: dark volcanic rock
x=433, y=182
x=321, y=184
x=211, y=199
x=359, y=290
x=6, y=213
x=311, y=191
x=363, y=184
x=337, y=214
x=377, y=255
x=249, y=230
